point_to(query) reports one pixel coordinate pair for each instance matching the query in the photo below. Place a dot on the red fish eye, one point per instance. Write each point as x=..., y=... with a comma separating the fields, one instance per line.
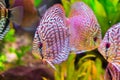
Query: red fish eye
x=40, y=45
x=95, y=39
x=107, y=45
x=36, y=32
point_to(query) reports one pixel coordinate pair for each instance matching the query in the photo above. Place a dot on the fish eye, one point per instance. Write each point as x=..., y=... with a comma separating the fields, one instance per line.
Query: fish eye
x=40, y=45
x=107, y=45
x=95, y=39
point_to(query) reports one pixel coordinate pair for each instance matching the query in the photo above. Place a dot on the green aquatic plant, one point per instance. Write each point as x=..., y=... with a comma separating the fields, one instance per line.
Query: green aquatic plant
x=20, y=53
x=85, y=69
x=66, y=5
x=8, y=38
x=2, y=60
x=37, y=3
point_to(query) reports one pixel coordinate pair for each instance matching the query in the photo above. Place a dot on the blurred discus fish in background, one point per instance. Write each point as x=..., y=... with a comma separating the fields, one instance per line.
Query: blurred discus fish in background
x=8, y=15
x=51, y=38
x=110, y=45
x=85, y=32
x=30, y=14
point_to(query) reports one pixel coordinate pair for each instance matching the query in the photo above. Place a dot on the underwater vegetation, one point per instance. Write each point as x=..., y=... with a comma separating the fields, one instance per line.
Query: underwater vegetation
x=85, y=69
x=72, y=40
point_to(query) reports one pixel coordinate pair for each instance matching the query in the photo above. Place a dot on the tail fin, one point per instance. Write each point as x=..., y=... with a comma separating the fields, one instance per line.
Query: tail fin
x=16, y=14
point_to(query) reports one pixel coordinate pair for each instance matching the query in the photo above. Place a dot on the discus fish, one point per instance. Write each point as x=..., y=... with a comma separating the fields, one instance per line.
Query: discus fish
x=8, y=15
x=85, y=32
x=51, y=38
x=30, y=14
x=110, y=45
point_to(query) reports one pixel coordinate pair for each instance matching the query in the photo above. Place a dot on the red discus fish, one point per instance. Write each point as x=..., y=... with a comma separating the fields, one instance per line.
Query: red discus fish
x=51, y=38
x=85, y=32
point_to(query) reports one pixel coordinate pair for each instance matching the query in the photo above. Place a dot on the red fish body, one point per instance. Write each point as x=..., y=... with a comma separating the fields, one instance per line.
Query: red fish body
x=85, y=32
x=51, y=38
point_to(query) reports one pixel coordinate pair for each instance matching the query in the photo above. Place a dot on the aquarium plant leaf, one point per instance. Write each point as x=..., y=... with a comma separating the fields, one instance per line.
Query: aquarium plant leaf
x=66, y=5
x=37, y=3
x=70, y=66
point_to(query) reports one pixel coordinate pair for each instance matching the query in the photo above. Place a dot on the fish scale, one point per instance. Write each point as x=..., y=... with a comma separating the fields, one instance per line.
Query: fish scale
x=54, y=36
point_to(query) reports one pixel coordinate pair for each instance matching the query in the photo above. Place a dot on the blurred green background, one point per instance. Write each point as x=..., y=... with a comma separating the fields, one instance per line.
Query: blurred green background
x=15, y=49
